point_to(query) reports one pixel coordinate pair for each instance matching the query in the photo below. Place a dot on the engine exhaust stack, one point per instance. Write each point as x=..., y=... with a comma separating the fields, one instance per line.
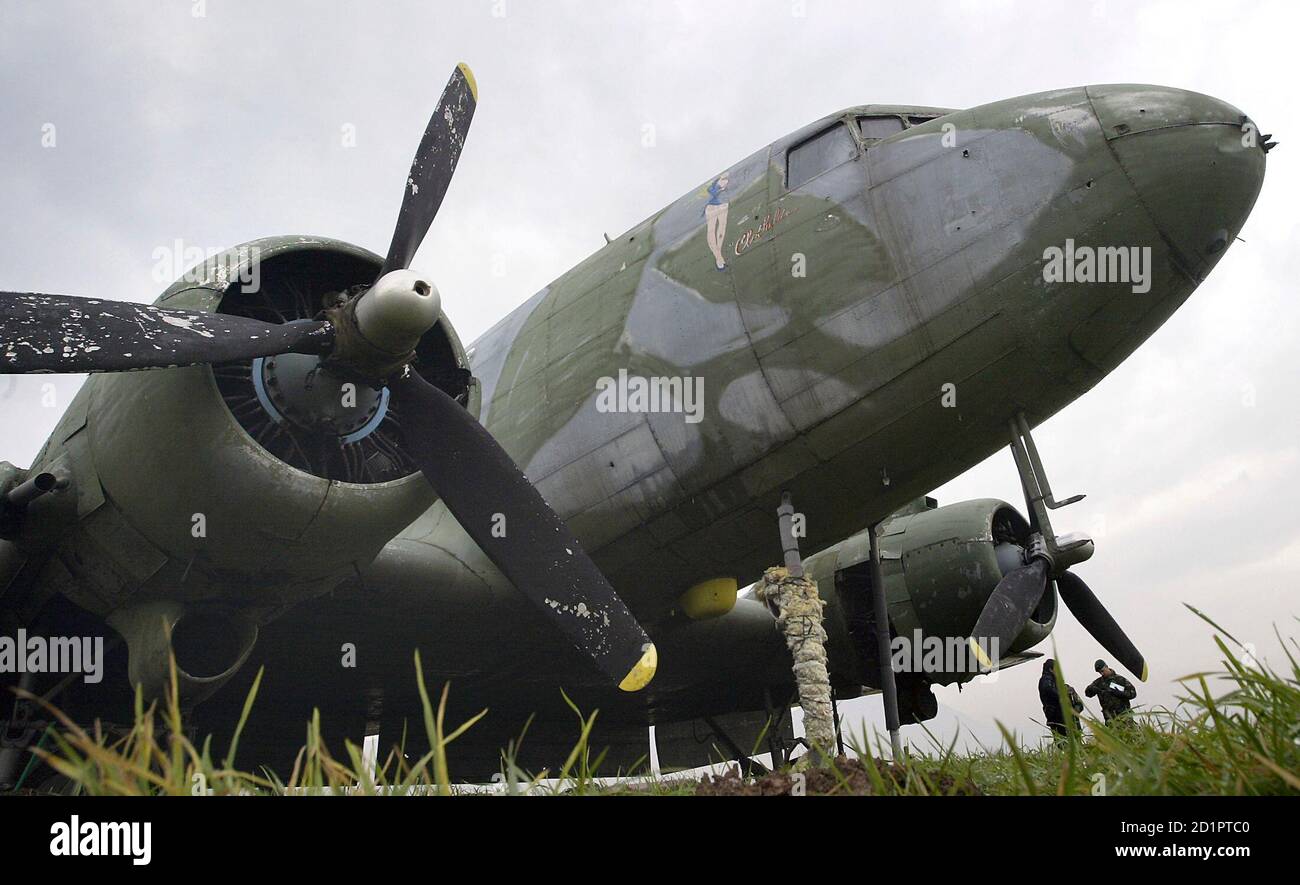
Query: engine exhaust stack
x=209, y=645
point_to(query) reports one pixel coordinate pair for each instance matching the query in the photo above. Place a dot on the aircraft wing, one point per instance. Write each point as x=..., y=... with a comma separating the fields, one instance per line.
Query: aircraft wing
x=474, y=632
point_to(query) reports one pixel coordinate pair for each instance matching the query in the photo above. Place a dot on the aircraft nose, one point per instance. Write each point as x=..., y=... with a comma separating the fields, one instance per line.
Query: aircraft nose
x=1196, y=162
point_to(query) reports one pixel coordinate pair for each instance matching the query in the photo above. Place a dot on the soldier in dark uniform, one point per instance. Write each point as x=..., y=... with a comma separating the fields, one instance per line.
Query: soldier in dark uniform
x=1113, y=691
x=1051, y=700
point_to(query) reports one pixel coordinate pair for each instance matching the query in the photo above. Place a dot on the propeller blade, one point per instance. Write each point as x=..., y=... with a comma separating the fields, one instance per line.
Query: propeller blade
x=480, y=483
x=1094, y=618
x=62, y=333
x=1008, y=607
x=431, y=170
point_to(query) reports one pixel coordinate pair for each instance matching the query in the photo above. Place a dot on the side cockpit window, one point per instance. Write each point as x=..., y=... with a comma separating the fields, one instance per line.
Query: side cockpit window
x=875, y=128
x=822, y=152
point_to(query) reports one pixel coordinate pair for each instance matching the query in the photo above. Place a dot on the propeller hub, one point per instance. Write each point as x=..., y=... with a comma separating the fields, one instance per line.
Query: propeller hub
x=1010, y=556
x=299, y=389
x=1073, y=548
x=397, y=310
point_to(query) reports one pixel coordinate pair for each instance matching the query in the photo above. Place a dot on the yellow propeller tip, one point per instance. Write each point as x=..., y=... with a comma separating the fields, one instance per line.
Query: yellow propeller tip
x=979, y=654
x=640, y=675
x=469, y=78
x=1143, y=677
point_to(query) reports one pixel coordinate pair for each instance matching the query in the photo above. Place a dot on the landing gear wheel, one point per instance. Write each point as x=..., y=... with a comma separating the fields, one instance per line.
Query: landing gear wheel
x=916, y=703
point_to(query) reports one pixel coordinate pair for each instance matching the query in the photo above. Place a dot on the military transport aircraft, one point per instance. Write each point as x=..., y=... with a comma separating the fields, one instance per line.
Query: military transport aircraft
x=319, y=478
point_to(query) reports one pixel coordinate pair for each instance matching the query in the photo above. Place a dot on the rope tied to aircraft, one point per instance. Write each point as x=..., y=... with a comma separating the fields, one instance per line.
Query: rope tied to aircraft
x=799, y=610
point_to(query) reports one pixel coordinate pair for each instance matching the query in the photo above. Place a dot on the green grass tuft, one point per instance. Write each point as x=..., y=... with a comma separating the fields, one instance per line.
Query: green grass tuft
x=1241, y=740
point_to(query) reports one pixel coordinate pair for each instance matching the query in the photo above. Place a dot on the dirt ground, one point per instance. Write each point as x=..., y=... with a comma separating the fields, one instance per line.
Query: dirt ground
x=849, y=778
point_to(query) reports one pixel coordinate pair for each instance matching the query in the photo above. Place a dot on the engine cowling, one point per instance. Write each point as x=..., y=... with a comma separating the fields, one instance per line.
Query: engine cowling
x=249, y=491
x=939, y=566
x=219, y=487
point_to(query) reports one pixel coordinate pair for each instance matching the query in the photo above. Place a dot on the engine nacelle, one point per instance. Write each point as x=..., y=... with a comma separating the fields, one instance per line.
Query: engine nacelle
x=202, y=485
x=939, y=566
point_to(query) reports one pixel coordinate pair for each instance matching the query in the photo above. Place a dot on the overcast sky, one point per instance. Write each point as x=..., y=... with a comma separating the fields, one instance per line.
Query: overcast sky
x=217, y=122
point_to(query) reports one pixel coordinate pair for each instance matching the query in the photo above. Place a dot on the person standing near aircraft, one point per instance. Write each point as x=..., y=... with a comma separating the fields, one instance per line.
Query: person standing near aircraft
x=1051, y=700
x=1112, y=691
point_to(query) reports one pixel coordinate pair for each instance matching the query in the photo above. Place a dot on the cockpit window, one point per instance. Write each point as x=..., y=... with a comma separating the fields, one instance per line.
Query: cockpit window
x=876, y=128
x=818, y=154
x=917, y=121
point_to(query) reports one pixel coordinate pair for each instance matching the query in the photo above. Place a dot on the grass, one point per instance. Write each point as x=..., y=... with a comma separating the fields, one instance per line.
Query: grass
x=1243, y=739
